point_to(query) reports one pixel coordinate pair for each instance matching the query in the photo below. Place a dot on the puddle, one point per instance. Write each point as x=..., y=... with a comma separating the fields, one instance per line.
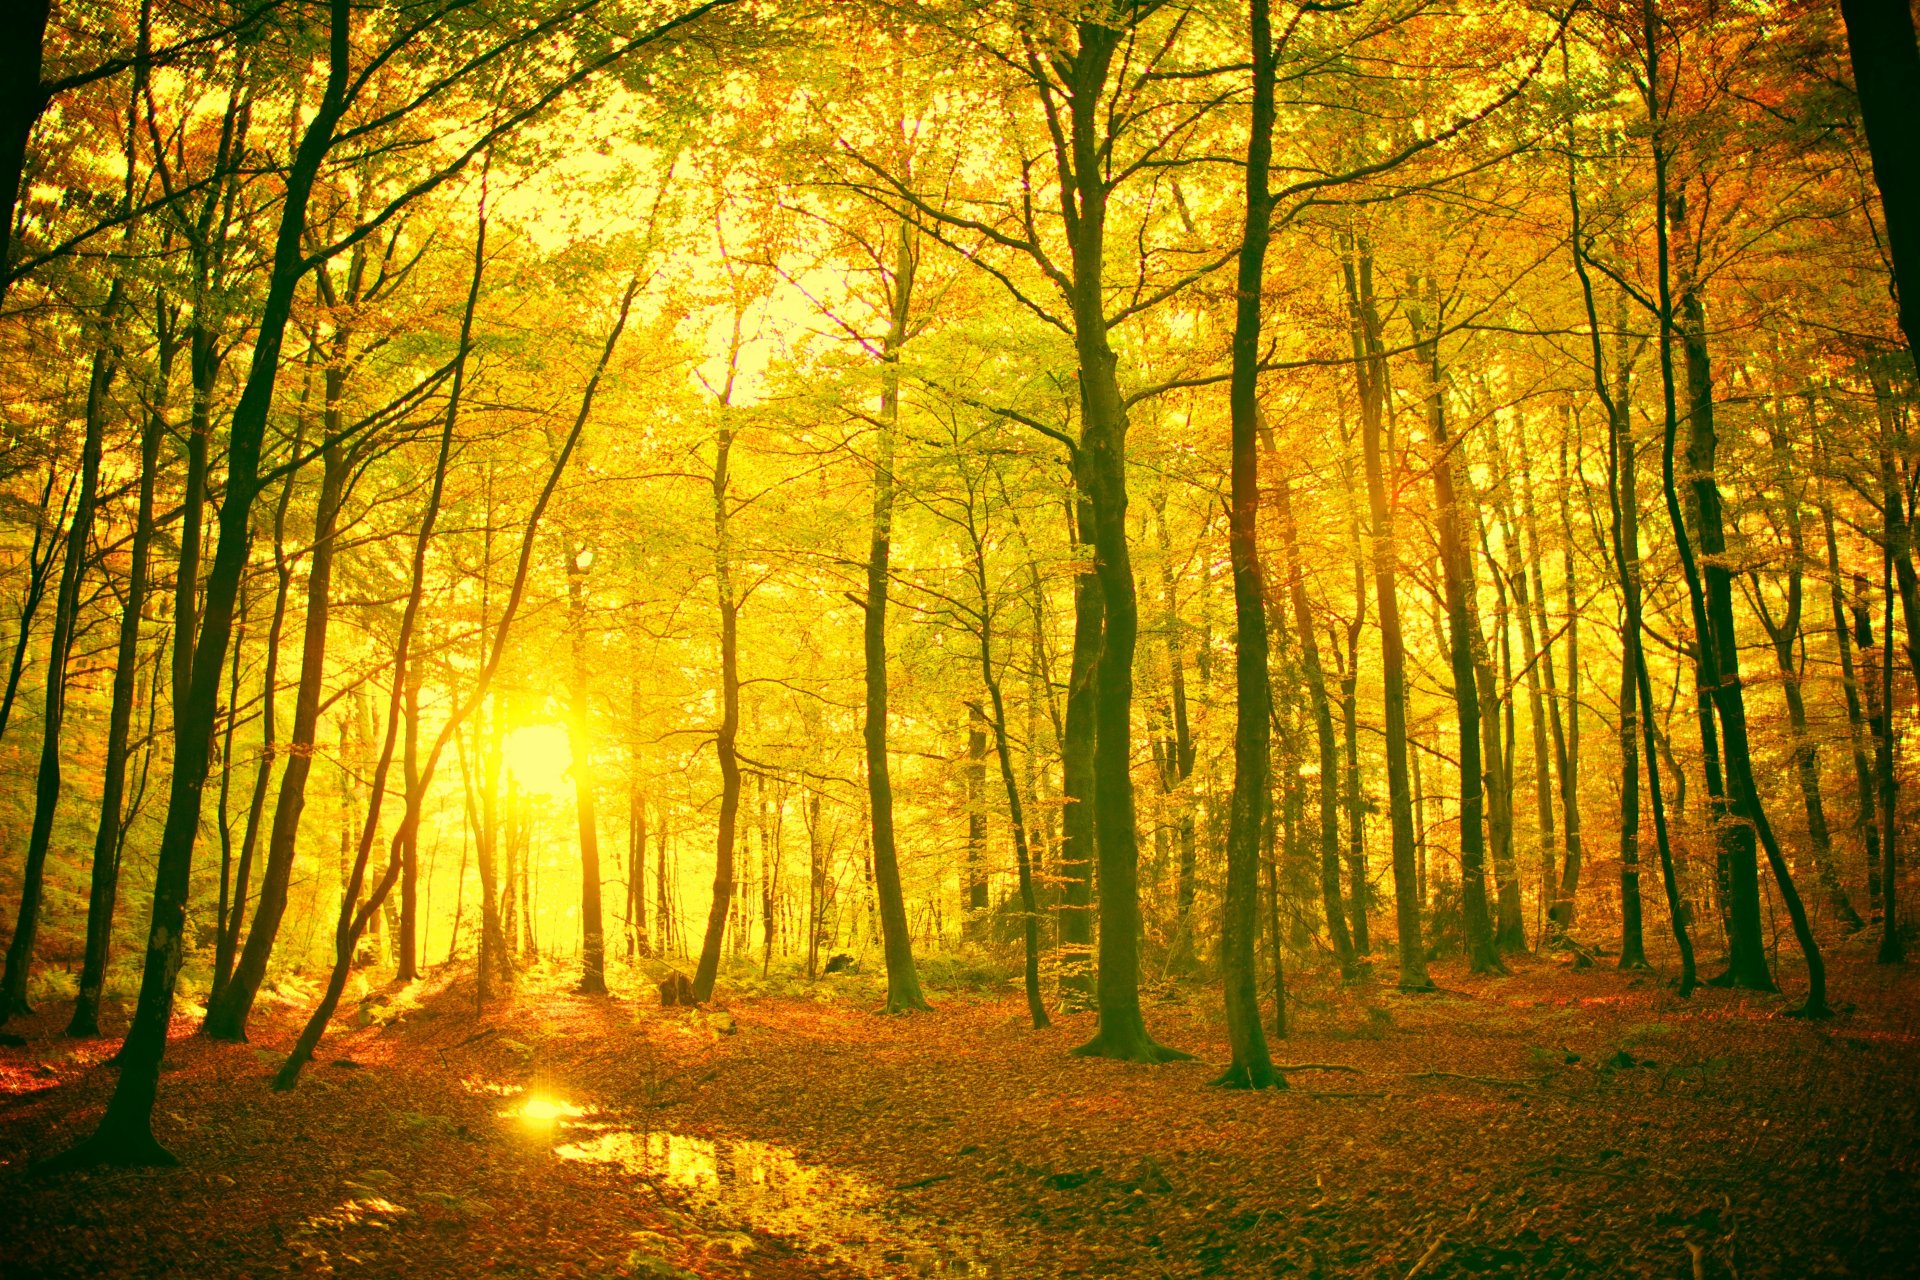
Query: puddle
x=737, y=1184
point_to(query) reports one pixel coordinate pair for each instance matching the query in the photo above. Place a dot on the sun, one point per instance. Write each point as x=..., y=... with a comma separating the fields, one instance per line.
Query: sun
x=541, y=758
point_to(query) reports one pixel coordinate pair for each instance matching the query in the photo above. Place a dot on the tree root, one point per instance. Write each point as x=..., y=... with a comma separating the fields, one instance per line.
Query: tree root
x=1240, y=1077
x=1318, y=1066
x=1513, y=1081
x=130, y=1151
x=1140, y=1048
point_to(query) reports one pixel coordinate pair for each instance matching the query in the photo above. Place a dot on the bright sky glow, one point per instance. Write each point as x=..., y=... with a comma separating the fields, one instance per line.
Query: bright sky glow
x=541, y=758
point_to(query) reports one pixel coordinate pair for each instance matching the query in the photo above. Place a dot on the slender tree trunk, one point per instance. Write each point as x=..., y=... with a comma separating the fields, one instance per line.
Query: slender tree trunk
x=975, y=775
x=66, y=610
x=1866, y=819
x=353, y=921
x=1713, y=608
x=903, y=980
x=1626, y=555
x=1786, y=638
x=1077, y=853
x=1329, y=777
x=1359, y=891
x=1892, y=948
x=227, y=1015
x=1100, y=474
x=640, y=940
x=407, y=965
x=227, y=945
x=729, y=731
x=49, y=535
x=1016, y=817
x=1462, y=631
x=125, y=1135
x=593, y=952
x=1573, y=856
x=1178, y=760
x=103, y=890
x=1251, y=1067
x=1370, y=369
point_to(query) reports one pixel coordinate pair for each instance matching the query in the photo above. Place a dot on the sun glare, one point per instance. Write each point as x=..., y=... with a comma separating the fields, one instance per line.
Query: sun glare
x=540, y=1110
x=541, y=758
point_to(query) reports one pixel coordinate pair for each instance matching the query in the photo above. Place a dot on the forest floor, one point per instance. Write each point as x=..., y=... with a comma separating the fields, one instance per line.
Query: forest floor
x=1550, y=1123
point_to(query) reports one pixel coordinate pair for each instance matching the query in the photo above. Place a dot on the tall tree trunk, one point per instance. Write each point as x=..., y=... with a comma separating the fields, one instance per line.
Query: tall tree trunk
x=995, y=718
x=1713, y=606
x=1251, y=1067
x=1100, y=473
x=1892, y=948
x=227, y=945
x=975, y=774
x=227, y=1015
x=639, y=940
x=1329, y=779
x=407, y=962
x=1496, y=712
x=1359, y=890
x=125, y=1134
x=593, y=947
x=1178, y=753
x=1866, y=819
x=1078, y=735
x=354, y=920
x=903, y=980
x=66, y=610
x=1626, y=555
x=1886, y=74
x=225, y=910
x=1462, y=632
x=104, y=882
x=729, y=730
x=1370, y=370
x=1786, y=637
x=1573, y=852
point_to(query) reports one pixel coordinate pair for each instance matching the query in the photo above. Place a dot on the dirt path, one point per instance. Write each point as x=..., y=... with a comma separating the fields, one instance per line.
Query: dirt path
x=1552, y=1123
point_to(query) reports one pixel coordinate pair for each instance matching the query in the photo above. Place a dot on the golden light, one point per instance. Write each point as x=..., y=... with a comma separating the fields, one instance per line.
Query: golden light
x=541, y=758
x=541, y=1111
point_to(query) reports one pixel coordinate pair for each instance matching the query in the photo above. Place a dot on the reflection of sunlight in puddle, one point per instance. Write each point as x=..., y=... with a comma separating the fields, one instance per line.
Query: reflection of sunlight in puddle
x=739, y=1182
x=543, y=1114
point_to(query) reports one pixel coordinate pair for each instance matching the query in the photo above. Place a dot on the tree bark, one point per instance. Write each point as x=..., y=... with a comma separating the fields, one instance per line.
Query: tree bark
x=1329, y=779
x=1886, y=74
x=1866, y=819
x=1252, y=1067
x=1078, y=736
x=1370, y=370
x=104, y=882
x=729, y=731
x=125, y=1134
x=593, y=946
x=1626, y=555
x=903, y=980
x=66, y=609
x=227, y=1015
x=1462, y=632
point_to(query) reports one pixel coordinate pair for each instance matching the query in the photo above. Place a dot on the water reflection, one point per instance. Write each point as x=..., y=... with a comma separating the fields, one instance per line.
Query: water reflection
x=738, y=1183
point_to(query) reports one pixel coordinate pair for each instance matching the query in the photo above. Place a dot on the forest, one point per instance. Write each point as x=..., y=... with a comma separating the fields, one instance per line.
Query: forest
x=1022, y=638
